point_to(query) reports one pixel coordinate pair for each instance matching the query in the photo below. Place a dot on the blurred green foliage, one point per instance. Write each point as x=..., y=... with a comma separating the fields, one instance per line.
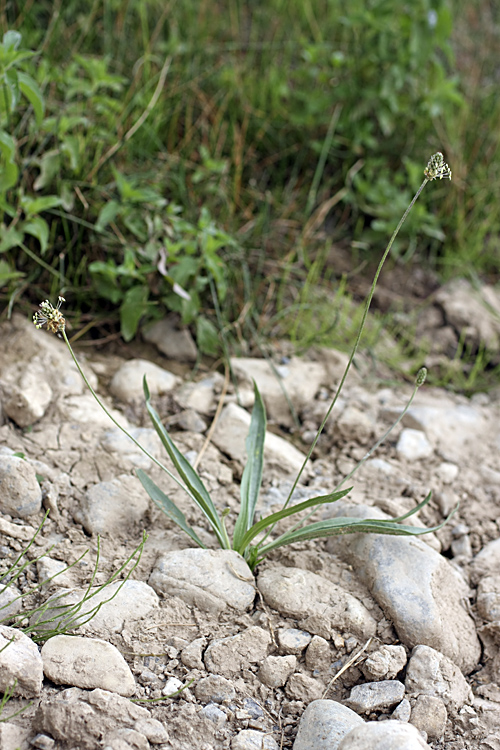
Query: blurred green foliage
x=184, y=156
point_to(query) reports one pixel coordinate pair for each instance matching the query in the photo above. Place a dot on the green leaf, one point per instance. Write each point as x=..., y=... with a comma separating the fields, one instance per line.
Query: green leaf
x=50, y=166
x=252, y=473
x=8, y=171
x=11, y=39
x=11, y=238
x=133, y=307
x=207, y=337
x=38, y=228
x=107, y=214
x=167, y=506
x=275, y=518
x=7, y=273
x=195, y=486
x=345, y=525
x=32, y=92
x=33, y=206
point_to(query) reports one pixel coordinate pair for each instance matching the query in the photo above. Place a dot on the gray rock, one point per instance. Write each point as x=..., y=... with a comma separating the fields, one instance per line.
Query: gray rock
x=450, y=427
x=113, y=507
x=28, y=397
x=488, y=598
x=115, y=441
x=20, y=663
x=471, y=312
x=87, y=663
x=214, y=713
x=299, y=379
x=90, y=716
x=418, y=590
x=301, y=687
x=292, y=641
x=212, y=580
x=318, y=654
x=413, y=445
x=114, y=615
x=230, y=436
x=20, y=493
x=192, y=654
x=384, y=735
x=251, y=739
x=14, y=737
x=373, y=696
x=431, y=673
x=214, y=689
x=174, y=342
x=323, y=725
x=354, y=424
x=385, y=663
x=275, y=670
x=228, y=656
x=127, y=382
x=487, y=561
x=10, y=603
x=300, y=593
x=190, y=421
x=429, y=715
x=200, y=396
x=152, y=729
x=402, y=712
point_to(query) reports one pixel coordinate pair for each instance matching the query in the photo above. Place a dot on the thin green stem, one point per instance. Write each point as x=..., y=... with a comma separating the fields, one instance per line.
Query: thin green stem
x=358, y=338
x=141, y=447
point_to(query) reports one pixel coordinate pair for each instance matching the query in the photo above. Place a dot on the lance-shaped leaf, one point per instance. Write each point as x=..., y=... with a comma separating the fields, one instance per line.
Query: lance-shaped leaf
x=252, y=473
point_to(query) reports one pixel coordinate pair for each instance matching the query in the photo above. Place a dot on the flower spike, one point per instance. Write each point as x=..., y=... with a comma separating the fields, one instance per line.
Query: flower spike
x=437, y=167
x=50, y=316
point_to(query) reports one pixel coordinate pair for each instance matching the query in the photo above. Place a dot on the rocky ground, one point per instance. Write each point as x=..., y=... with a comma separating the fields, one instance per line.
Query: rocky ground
x=353, y=642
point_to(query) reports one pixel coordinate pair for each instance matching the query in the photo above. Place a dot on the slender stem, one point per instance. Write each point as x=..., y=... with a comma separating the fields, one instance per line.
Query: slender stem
x=141, y=447
x=358, y=338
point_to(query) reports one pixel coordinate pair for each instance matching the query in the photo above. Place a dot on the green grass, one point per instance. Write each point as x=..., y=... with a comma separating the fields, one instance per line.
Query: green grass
x=218, y=150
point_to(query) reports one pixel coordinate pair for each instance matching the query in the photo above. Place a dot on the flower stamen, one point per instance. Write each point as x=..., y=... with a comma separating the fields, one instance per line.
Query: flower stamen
x=50, y=316
x=437, y=168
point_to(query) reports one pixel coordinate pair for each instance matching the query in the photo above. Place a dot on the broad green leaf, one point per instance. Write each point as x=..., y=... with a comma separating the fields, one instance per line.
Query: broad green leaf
x=33, y=206
x=167, y=506
x=9, y=174
x=252, y=473
x=207, y=337
x=133, y=307
x=38, y=228
x=7, y=273
x=50, y=166
x=11, y=238
x=32, y=92
x=7, y=146
x=11, y=39
x=107, y=214
x=189, y=476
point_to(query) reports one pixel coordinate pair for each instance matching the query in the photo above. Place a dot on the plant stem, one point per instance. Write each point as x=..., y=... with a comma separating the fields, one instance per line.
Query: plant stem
x=141, y=447
x=358, y=338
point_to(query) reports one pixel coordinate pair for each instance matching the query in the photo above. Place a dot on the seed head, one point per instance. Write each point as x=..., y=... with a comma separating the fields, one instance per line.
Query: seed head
x=50, y=316
x=421, y=376
x=437, y=167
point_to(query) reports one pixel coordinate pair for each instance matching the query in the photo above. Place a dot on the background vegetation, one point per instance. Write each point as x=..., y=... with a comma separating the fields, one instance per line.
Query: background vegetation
x=219, y=159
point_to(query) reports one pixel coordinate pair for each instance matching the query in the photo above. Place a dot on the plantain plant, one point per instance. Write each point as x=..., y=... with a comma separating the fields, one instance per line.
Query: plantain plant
x=254, y=539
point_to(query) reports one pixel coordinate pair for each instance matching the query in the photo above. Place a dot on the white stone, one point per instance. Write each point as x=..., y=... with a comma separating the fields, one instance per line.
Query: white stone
x=113, y=507
x=300, y=379
x=212, y=580
x=300, y=593
x=413, y=445
x=20, y=493
x=323, y=725
x=384, y=735
x=230, y=436
x=87, y=663
x=127, y=382
x=20, y=663
x=228, y=656
x=115, y=614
